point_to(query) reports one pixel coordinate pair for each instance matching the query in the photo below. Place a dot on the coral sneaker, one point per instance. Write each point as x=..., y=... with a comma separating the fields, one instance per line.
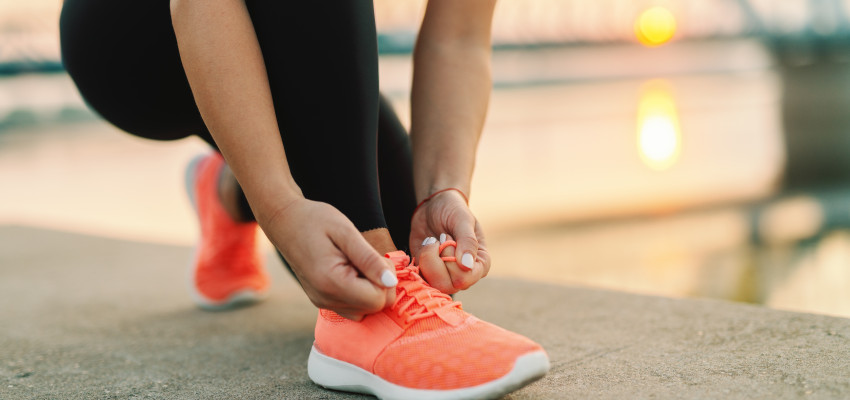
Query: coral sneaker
x=423, y=347
x=228, y=270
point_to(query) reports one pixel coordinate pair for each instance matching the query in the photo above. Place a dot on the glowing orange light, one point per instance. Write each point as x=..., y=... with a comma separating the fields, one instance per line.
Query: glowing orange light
x=658, y=134
x=655, y=26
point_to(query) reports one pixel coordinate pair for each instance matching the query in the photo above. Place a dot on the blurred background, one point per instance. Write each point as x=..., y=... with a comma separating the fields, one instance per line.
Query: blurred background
x=667, y=147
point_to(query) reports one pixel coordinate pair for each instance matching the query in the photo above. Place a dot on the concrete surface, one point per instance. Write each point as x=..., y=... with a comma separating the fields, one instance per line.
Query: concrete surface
x=92, y=318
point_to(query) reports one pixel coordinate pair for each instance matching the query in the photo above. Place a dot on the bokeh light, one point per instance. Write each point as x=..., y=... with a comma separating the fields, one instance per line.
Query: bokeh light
x=659, y=135
x=655, y=26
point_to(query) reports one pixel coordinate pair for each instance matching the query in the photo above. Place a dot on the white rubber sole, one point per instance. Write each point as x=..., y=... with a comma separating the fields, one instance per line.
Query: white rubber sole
x=237, y=299
x=339, y=375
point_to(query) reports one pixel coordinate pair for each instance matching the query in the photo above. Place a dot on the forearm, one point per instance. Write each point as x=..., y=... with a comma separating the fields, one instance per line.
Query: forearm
x=224, y=65
x=451, y=91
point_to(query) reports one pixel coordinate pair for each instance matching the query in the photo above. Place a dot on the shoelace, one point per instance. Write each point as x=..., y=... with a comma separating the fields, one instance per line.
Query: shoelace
x=422, y=300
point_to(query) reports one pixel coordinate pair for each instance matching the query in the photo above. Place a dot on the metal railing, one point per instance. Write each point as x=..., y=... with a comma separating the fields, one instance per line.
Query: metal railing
x=29, y=29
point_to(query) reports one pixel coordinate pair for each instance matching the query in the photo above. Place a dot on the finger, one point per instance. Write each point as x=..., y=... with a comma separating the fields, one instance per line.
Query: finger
x=378, y=270
x=356, y=313
x=342, y=291
x=433, y=269
x=391, y=296
x=467, y=242
x=350, y=313
x=483, y=254
x=356, y=317
x=447, y=250
x=429, y=241
x=414, y=245
x=357, y=294
x=416, y=248
x=462, y=279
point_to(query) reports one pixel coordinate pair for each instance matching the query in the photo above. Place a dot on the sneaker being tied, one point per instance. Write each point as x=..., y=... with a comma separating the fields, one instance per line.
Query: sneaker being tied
x=422, y=347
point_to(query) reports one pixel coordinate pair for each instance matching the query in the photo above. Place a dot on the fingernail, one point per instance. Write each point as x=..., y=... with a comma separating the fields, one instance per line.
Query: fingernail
x=442, y=238
x=430, y=240
x=467, y=260
x=389, y=279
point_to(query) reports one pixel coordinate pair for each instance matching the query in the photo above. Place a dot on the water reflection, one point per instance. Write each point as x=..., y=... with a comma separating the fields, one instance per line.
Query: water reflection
x=790, y=220
x=814, y=278
x=708, y=253
x=659, y=133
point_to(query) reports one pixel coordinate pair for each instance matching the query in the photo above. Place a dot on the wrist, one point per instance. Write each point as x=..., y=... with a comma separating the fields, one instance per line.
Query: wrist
x=272, y=200
x=440, y=163
x=433, y=187
x=443, y=192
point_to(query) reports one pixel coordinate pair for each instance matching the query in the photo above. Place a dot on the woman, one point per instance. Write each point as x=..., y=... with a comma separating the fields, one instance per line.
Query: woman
x=288, y=94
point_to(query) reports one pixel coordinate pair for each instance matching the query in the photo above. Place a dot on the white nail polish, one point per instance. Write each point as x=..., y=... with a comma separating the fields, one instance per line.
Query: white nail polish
x=467, y=260
x=425, y=242
x=432, y=240
x=389, y=279
x=442, y=238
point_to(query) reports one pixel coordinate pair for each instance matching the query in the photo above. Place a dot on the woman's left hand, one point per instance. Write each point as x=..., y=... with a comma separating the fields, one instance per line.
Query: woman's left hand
x=448, y=214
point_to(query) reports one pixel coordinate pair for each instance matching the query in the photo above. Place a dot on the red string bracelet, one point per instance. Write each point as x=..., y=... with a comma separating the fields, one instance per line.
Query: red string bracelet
x=421, y=203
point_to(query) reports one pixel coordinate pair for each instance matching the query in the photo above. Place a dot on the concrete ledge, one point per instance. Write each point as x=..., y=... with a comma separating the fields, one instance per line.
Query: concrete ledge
x=94, y=318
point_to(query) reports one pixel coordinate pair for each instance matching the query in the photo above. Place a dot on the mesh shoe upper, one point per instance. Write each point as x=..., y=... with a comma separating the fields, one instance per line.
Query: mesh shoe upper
x=431, y=344
x=227, y=257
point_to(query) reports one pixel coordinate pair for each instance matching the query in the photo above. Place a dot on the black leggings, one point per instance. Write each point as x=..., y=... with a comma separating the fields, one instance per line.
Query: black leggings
x=340, y=135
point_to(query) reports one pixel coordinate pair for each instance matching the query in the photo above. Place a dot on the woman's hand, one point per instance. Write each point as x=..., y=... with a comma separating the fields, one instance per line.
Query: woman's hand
x=447, y=213
x=337, y=268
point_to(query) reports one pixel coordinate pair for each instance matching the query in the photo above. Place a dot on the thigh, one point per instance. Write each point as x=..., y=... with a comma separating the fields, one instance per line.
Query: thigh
x=322, y=64
x=123, y=57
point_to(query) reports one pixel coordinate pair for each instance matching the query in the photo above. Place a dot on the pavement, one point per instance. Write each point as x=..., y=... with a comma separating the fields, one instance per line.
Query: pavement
x=86, y=317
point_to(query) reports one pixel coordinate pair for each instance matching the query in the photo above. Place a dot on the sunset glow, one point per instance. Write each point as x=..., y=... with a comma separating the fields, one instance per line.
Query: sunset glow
x=655, y=26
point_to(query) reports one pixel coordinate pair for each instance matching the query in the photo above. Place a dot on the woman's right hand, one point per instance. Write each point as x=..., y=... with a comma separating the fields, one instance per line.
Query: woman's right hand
x=337, y=268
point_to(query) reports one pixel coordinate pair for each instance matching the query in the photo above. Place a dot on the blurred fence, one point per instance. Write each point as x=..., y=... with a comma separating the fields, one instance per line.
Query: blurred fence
x=29, y=36
x=29, y=29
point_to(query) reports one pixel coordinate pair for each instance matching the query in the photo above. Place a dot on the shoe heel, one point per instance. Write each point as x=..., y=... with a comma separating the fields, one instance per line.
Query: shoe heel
x=189, y=179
